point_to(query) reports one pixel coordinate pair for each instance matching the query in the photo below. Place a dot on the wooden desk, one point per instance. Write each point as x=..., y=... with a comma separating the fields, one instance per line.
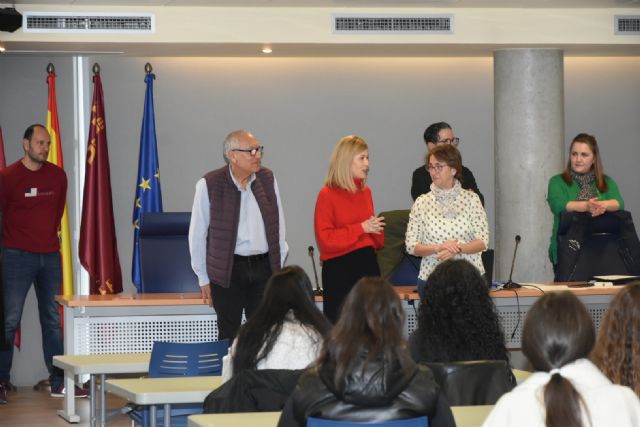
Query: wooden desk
x=465, y=416
x=126, y=323
x=513, y=305
x=163, y=391
x=521, y=375
x=98, y=364
x=471, y=416
x=130, y=323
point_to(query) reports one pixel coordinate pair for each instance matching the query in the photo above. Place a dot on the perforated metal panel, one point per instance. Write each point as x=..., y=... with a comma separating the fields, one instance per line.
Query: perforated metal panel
x=108, y=335
x=411, y=313
x=433, y=24
x=512, y=328
x=627, y=25
x=510, y=320
x=63, y=22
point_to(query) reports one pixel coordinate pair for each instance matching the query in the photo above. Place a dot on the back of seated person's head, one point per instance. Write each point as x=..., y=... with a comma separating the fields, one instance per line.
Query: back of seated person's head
x=371, y=320
x=617, y=349
x=558, y=330
x=288, y=290
x=457, y=319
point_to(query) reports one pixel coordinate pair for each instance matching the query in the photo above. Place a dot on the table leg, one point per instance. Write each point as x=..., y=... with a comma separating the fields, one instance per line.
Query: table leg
x=167, y=415
x=92, y=400
x=103, y=402
x=152, y=415
x=69, y=403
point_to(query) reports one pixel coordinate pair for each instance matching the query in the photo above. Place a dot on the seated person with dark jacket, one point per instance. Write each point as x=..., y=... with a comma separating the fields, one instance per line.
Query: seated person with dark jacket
x=458, y=322
x=440, y=133
x=364, y=371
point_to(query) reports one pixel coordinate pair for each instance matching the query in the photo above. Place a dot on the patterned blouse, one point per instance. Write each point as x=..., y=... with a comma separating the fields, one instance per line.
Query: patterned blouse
x=464, y=220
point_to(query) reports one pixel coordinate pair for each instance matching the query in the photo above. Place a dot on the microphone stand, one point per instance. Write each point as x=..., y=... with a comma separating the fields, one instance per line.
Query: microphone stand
x=318, y=290
x=510, y=284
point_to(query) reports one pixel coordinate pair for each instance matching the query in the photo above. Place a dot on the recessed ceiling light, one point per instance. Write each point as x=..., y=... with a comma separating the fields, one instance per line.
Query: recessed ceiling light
x=267, y=49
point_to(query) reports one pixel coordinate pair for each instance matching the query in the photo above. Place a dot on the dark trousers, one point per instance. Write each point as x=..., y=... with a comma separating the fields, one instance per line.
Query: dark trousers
x=340, y=274
x=21, y=269
x=248, y=279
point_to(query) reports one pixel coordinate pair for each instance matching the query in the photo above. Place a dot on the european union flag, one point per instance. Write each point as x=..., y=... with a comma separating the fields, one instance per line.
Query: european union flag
x=148, y=195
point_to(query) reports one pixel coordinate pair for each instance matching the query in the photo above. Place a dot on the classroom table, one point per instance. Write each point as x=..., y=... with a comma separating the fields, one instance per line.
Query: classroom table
x=130, y=323
x=465, y=416
x=94, y=365
x=163, y=391
x=512, y=305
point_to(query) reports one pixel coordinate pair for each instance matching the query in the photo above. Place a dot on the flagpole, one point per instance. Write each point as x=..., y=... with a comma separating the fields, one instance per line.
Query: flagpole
x=148, y=194
x=98, y=246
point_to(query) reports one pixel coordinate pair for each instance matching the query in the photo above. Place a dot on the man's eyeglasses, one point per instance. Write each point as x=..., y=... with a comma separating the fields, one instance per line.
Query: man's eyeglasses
x=437, y=168
x=451, y=141
x=252, y=151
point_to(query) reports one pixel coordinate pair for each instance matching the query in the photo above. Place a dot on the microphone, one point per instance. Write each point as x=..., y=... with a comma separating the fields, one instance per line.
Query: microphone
x=318, y=289
x=510, y=283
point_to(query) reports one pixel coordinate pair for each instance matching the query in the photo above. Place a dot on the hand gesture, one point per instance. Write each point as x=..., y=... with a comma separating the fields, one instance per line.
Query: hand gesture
x=375, y=224
x=596, y=207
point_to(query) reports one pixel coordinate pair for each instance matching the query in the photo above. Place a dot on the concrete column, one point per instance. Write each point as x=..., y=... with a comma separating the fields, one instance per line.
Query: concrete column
x=529, y=132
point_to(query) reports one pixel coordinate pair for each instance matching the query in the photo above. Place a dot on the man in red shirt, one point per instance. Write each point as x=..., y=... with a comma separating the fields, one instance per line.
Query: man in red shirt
x=32, y=198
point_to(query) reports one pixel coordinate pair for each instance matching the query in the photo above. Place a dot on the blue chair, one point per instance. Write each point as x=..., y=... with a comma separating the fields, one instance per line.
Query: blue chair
x=165, y=262
x=181, y=360
x=407, y=422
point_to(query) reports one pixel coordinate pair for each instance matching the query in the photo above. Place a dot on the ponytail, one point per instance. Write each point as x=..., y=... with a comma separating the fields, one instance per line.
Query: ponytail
x=563, y=402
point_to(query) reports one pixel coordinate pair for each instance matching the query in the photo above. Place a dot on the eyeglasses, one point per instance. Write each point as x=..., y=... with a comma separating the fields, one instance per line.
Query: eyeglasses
x=435, y=168
x=252, y=151
x=451, y=141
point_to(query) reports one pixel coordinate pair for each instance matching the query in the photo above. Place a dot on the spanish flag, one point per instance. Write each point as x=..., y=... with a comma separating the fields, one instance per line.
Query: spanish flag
x=55, y=157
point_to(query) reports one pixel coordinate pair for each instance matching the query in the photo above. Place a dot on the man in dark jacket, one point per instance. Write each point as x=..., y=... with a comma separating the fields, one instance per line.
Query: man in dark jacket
x=440, y=133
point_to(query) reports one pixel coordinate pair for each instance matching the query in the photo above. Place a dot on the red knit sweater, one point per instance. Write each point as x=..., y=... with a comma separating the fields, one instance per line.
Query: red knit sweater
x=32, y=203
x=338, y=217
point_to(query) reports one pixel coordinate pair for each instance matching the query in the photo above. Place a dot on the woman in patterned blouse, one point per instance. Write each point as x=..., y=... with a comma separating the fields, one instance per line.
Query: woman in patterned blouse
x=449, y=222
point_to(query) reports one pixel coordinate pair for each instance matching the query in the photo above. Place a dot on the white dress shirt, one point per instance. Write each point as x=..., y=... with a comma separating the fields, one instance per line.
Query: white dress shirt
x=252, y=237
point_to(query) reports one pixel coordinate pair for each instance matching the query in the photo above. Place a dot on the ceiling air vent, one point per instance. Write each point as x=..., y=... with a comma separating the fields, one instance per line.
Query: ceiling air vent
x=413, y=24
x=75, y=23
x=627, y=25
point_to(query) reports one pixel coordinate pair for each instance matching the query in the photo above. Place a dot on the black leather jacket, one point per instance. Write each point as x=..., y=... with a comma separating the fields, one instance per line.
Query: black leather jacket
x=375, y=391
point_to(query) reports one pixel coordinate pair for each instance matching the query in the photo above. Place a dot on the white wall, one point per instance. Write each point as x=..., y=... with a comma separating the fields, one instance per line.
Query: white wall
x=299, y=108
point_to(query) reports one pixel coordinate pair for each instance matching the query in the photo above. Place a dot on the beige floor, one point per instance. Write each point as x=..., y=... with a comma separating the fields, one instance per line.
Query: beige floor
x=30, y=408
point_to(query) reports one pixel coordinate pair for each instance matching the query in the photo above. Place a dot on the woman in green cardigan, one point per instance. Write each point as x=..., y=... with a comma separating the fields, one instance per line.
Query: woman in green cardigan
x=582, y=187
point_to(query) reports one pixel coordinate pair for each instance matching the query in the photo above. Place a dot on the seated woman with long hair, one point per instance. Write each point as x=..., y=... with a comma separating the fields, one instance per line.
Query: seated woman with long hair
x=364, y=371
x=567, y=390
x=457, y=320
x=285, y=331
x=617, y=349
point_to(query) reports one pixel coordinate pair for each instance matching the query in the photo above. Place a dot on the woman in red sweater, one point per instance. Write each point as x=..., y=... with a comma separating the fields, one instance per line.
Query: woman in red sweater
x=347, y=230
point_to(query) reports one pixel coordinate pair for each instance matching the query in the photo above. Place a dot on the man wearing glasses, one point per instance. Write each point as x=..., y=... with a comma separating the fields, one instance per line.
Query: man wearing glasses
x=440, y=133
x=237, y=233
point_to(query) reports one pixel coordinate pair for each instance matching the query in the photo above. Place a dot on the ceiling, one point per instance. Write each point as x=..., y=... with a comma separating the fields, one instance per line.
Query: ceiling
x=347, y=3
x=226, y=42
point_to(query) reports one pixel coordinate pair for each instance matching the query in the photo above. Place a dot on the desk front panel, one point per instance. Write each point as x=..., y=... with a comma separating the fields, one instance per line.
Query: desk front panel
x=109, y=327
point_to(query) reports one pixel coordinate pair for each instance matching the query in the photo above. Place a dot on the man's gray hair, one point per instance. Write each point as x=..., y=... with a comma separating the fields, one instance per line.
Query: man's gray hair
x=231, y=142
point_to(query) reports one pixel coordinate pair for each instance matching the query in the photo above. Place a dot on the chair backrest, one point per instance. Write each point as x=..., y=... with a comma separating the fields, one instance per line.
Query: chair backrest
x=165, y=262
x=478, y=382
x=487, y=262
x=170, y=359
x=396, y=265
x=407, y=422
x=598, y=240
